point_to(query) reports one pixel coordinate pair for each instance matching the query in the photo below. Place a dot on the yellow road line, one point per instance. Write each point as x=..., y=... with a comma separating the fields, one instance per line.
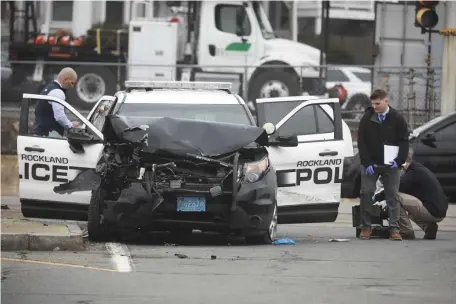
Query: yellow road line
x=57, y=264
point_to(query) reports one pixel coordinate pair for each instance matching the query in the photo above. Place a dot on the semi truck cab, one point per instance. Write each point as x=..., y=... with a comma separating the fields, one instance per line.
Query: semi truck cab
x=237, y=34
x=229, y=41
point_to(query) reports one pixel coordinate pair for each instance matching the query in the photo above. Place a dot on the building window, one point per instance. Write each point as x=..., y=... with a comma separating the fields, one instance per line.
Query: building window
x=115, y=12
x=5, y=11
x=62, y=10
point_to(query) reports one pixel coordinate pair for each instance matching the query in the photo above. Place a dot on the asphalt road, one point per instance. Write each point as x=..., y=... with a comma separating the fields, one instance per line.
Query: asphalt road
x=312, y=271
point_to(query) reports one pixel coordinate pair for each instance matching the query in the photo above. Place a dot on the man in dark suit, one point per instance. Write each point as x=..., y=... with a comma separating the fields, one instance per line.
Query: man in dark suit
x=381, y=126
x=422, y=200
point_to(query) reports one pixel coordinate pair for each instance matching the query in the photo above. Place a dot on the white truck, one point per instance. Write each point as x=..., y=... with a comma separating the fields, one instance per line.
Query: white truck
x=216, y=40
x=306, y=150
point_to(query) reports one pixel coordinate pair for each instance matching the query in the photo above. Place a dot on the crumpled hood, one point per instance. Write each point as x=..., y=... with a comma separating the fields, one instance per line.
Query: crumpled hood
x=291, y=46
x=181, y=136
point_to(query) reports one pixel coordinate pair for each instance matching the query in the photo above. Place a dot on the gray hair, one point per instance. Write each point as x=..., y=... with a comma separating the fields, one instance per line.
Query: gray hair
x=67, y=73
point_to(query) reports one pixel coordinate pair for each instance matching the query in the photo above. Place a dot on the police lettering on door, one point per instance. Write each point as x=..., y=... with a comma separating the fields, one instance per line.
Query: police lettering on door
x=318, y=171
x=46, y=168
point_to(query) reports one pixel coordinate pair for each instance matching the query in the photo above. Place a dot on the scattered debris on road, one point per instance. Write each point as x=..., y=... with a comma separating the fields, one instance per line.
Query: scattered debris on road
x=338, y=240
x=181, y=256
x=284, y=242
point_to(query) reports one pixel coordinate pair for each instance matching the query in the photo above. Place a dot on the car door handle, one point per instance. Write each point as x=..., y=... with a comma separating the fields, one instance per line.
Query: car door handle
x=212, y=49
x=33, y=149
x=328, y=153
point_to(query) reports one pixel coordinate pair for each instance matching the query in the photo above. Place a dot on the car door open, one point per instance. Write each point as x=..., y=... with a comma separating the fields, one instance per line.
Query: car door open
x=308, y=150
x=46, y=162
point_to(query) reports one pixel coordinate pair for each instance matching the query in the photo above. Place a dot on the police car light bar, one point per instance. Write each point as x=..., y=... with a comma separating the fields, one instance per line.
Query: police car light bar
x=192, y=85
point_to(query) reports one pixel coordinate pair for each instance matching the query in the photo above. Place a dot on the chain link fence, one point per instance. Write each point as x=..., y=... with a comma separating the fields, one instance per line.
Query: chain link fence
x=415, y=91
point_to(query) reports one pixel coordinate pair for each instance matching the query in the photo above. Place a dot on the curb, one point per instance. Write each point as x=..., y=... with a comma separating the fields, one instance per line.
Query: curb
x=73, y=240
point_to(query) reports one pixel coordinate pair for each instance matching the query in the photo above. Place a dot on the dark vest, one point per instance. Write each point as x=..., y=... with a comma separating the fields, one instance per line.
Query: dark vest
x=44, y=114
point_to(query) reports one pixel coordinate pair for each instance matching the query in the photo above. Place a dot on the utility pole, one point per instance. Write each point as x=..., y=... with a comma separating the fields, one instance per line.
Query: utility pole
x=294, y=20
x=448, y=90
x=325, y=33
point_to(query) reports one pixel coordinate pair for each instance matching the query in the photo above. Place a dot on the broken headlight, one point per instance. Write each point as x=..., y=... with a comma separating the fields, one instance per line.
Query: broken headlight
x=253, y=171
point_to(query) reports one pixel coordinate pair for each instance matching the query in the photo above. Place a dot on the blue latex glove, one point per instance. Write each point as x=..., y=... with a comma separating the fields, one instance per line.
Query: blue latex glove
x=370, y=170
x=394, y=164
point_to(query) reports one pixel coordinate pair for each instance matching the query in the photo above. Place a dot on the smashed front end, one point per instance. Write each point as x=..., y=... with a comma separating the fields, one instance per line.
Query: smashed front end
x=164, y=172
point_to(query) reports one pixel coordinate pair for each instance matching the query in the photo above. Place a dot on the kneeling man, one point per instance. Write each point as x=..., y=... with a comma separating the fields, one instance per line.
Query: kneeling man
x=422, y=200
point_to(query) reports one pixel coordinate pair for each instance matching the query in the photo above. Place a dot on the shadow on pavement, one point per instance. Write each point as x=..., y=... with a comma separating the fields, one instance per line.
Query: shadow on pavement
x=196, y=238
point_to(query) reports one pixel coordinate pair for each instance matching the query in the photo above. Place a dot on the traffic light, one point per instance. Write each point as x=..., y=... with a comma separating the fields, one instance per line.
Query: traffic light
x=425, y=14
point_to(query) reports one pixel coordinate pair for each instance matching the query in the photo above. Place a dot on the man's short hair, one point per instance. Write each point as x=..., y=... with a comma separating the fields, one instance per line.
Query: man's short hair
x=67, y=72
x=378, y=94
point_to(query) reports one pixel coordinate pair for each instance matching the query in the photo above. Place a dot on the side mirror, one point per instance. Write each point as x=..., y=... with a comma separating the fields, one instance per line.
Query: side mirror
x=284, y=141
x=78, y=136
x=429, y=139
x=270, y=128
x=240, y=18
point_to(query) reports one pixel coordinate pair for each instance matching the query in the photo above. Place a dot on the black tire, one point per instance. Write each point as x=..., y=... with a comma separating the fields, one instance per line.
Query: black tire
x=181, y=236
x=359, y=102
x=264, y=237
x=288, y=79
x=96, y=228
x=76, y=94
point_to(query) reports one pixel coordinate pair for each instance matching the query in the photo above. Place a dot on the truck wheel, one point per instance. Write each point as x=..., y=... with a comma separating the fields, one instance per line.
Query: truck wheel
x=265, y=237
x=92, y=84
x=358, y=102
x=274, y=83
x=96, y=228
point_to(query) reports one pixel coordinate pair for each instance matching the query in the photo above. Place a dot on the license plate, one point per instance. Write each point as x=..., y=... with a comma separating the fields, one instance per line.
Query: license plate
x=191, y=204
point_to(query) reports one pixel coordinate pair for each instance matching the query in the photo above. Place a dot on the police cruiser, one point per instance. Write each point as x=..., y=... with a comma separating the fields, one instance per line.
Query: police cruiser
x=203, y=125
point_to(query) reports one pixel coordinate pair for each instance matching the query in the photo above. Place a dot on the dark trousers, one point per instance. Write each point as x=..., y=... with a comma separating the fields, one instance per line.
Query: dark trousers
x=390, y=178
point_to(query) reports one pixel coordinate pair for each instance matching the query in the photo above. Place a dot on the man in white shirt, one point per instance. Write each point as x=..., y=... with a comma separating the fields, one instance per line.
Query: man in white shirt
x=50, y=117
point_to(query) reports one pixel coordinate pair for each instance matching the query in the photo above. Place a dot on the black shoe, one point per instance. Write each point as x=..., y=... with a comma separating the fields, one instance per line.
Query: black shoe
x=408, y=236
x=431, y=231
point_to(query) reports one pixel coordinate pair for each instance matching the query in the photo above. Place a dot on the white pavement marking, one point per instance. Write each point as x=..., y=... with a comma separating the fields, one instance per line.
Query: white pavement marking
x=120, y=256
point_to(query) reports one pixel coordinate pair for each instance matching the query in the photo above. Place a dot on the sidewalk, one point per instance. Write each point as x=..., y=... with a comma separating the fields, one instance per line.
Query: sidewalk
x=19, y=233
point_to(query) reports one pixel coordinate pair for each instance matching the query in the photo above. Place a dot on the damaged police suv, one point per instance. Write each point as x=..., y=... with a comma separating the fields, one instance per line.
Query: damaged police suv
x=178, y=156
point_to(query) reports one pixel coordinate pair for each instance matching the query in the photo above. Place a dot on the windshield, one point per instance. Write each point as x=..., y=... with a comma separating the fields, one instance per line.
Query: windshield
x=364, y=76
x=263, y=21
x=428, y=124
x=223, y=113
